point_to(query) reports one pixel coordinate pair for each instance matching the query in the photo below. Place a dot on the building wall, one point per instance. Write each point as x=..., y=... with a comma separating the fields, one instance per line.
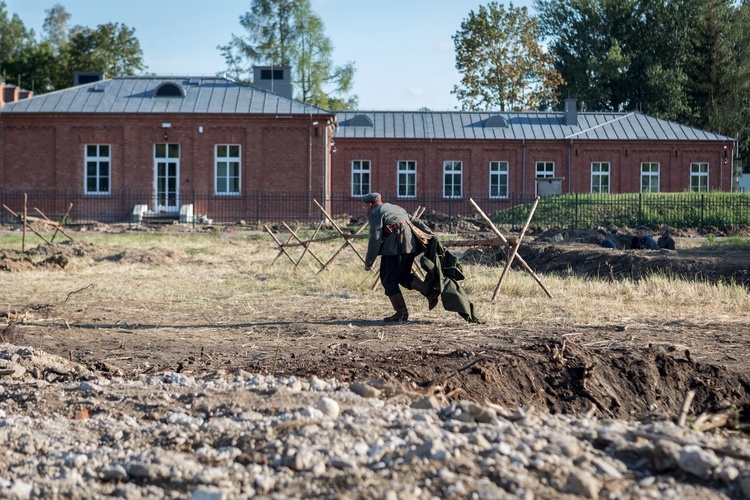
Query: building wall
x=46, y=152
x=572, y=162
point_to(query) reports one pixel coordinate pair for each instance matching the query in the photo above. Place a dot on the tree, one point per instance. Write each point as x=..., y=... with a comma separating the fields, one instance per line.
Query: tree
x=14, y=38
x=502, y=61
x=289, y=33
x=56, y=26
x=111, y=48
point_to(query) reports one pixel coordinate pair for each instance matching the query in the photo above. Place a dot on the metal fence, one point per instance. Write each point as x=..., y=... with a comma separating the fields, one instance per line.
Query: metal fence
x=721, y=210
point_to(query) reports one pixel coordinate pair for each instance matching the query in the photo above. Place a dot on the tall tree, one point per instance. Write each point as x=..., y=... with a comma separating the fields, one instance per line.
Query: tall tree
x=55, y=26
x=502, y=62
x=14, y=38
x=111, y=48
x=289, y=33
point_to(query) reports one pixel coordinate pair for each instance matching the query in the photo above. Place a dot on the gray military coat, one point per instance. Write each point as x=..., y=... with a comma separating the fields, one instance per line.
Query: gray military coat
x=382, y=215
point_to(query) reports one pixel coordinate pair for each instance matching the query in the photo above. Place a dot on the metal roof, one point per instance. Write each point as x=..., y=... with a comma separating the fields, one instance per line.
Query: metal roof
x=136, y=94
x=530, y=126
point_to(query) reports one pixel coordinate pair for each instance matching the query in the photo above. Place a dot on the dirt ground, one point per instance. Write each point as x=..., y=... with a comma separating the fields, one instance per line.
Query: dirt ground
x=640, y=369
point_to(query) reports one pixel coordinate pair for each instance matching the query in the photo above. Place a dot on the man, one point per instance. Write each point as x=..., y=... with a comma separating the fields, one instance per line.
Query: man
x=392, y=237
x=602, y=240
x=665, y=240
x=642, y=240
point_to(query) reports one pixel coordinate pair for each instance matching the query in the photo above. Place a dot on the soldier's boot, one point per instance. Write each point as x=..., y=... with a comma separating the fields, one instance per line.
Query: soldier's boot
x=432, y=296
x=399, y=305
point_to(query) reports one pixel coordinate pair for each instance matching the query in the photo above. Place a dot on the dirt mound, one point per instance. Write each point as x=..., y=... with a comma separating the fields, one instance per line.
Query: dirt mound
x=596, y=262
x=157, y=256
x=559, y=376
x=58, y=256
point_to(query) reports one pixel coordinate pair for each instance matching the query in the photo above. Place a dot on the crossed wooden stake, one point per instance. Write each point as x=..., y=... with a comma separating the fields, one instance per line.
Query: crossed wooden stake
x=25, y=219
x=514, y=248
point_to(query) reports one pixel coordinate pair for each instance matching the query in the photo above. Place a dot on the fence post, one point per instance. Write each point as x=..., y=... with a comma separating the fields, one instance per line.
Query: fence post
x=575, y=219
x=257, y=205
x=640, y=208
x=703, y=207
x=193, y=217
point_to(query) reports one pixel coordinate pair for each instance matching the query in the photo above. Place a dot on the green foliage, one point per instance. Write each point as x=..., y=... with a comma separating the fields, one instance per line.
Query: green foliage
x=47, y=65
x=502, y=62
x=680, y=210
x=289, y=33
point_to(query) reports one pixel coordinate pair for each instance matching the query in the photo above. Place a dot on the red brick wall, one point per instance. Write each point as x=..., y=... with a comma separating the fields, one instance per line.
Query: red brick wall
x=624, y=157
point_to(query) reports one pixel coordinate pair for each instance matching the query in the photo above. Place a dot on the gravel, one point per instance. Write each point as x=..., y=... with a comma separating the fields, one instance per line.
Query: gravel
x=67, y=432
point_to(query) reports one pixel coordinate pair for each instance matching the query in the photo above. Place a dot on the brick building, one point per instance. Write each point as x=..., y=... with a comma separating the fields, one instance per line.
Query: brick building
x=211, y=146
x=165, y=144
x=445, y=156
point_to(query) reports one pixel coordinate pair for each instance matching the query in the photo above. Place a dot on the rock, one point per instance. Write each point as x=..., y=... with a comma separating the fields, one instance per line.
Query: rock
x=328, y=407
x=427, y=403
x=207, y=493
x=697, y=461
x=583, y=484
x=364, y=390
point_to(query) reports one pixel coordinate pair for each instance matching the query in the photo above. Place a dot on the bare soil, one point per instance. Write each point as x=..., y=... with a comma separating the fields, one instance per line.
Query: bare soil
x=638, y=369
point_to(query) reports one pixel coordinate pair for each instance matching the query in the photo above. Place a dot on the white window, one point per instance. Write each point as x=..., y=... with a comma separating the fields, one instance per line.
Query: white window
x=649, y=177
x=452, y=179
x=498, y=179
x=699, y=177
x=407, y=179
x=98, y=162
x=545, y=169
x=360, y=177
x=600, y=177
x=227, y=169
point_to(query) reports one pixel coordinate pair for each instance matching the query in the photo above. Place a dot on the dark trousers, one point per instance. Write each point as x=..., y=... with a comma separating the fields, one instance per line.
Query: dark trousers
x=395, y=270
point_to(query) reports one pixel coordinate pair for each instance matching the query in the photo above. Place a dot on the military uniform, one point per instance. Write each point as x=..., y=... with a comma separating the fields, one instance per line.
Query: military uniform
x=392, y=237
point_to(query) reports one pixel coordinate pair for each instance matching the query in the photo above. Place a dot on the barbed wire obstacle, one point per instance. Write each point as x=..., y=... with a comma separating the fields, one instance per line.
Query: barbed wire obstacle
x=513, y=246
x=25, y=219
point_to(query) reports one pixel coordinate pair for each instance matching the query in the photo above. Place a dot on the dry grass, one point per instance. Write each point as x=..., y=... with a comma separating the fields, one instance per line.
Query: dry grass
x=218, y=277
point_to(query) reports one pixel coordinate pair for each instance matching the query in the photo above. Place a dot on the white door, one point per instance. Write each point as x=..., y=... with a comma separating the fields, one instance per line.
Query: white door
x=166, y=177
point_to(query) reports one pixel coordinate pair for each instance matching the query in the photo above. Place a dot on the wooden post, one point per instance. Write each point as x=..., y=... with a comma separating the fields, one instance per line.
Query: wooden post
x=23, y=238
x=505, y=241
x=278, y=243
x=514, y=250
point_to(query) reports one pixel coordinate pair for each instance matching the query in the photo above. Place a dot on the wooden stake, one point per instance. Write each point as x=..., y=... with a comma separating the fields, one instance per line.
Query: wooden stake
x=689, y=395
x=305, y=244
x=344, y=235
x=20, y=218
x=23, y=238
x=279, y=243
x=514, y=250
x=505, y=241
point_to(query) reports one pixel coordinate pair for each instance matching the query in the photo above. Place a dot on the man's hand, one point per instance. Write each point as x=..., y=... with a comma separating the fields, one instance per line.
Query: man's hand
x=368, y=268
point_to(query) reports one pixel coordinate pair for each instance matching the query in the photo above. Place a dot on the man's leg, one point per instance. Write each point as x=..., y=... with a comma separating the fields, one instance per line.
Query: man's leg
x=390, y=276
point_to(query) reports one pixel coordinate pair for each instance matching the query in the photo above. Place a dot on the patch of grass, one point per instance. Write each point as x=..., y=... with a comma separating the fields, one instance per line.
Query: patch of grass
x=737, y=243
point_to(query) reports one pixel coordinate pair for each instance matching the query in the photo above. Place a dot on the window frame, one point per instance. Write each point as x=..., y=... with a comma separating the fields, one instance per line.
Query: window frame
x=699, y=175
x=98, y=160
x=454, y=169
x=229, y=160
x=410, y=172
x=544, y=174
x=600, y=174
x=650, y=175
x=496, y=176
x=360, y=171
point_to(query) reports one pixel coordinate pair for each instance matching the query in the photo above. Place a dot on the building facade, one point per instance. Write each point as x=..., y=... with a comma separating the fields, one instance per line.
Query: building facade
x=232, y=152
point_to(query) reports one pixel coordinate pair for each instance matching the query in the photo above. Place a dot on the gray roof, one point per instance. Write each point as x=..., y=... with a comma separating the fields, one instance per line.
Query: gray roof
x=135, y=94
x=520, y=125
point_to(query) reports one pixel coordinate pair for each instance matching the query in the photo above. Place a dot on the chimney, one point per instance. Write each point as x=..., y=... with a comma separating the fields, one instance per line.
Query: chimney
x=10, y=93
x=25, y=94
x=571, y=112
x=2, y=93
x=275, y=79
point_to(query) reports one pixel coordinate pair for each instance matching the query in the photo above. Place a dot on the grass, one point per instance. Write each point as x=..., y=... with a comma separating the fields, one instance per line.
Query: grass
x=223, y=278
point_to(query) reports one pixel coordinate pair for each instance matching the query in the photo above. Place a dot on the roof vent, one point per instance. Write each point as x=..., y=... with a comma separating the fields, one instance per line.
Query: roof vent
x=194, y=81
x=360, y=121
x=495, y=121
x=99, y=87
x=169, y=89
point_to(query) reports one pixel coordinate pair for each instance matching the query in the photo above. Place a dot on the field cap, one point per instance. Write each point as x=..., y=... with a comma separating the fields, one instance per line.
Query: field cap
x=601, y=231
x=642, y=227
x=664, y=229
x=370, y=197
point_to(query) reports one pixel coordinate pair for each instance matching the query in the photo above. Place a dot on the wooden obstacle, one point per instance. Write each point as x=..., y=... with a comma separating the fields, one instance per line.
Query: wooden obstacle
x=25, y=219
x=511, y=245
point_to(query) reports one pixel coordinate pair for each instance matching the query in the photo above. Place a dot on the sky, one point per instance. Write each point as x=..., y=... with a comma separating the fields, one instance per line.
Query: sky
x=402, y=49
